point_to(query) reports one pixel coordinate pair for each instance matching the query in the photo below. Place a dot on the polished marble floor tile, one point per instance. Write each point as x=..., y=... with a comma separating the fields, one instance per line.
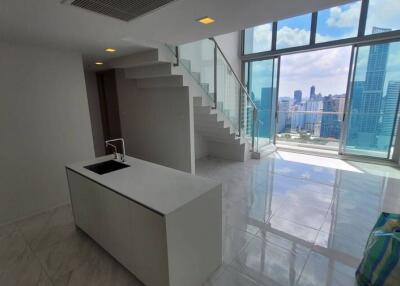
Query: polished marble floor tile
x=307, y=216
x=99, y=269
x=7, y=229
x=269, y=264
x=24, y=269
x=323, y=270
x=48, y=228
x=233, y=241
x=67, y=255
x=288, y=219
x=232, y=277
x=292, y=230
x=305, y=171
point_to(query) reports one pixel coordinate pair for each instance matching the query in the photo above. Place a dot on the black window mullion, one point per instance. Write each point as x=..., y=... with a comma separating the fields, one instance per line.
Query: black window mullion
x=313, y=31
x=274, y=35
x=363, y=18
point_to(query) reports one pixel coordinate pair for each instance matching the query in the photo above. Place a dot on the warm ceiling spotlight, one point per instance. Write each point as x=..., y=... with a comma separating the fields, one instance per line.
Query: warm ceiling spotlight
x=99, y=63
x=206, y=20
x=110, y=50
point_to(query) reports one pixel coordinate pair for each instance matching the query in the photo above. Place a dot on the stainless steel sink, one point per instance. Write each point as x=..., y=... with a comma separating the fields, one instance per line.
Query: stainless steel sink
x=106, y=167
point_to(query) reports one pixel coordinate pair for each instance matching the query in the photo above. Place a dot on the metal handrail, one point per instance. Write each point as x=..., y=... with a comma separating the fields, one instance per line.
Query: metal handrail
x=237, y=78
x=175, y=52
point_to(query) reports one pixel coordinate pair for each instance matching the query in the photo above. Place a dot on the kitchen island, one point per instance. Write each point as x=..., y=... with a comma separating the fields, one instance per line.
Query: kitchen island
x=162, y=224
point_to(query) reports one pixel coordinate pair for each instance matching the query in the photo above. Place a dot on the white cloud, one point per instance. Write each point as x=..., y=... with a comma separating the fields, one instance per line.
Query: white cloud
x=383, y=14
x=344, y=18
x=262, y=37
x=326, y=69
x=292, y=37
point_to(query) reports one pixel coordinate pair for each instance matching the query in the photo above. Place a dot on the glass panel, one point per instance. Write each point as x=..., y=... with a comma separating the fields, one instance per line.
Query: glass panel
x=258, y=39
x=294, y=32
x=310, y=107
x=374, y=100
x=198, y=59
x=228, y=91
x=383, y=16
x=339, y=22
x=262, y=90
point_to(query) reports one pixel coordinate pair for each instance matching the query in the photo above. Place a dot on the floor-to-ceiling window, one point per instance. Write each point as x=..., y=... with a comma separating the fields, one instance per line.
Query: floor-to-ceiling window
x=310, y=106
x=321, y=103
x=374, y=97
x=262, y=84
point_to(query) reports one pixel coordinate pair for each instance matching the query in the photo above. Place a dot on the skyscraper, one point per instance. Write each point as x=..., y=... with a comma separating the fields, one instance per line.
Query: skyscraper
x=330, y=124
x=390, y=107
x=313, y=116
x=283, y=115
x=297, y=97
x=298, y=117
x=264, y=113
x=312, y=93
x=371, y=99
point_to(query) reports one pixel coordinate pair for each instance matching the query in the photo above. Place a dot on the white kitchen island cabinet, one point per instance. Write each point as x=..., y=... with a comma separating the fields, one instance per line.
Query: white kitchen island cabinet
x=163, y=225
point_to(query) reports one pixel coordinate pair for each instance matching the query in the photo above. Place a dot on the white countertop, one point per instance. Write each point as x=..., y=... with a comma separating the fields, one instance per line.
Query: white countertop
x=160, y=188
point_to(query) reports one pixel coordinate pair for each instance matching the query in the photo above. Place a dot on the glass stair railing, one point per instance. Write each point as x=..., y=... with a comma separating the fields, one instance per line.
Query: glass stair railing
x=208, y=66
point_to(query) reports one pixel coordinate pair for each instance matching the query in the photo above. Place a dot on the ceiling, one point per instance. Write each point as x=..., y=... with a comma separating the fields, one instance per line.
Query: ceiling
x=49, y=23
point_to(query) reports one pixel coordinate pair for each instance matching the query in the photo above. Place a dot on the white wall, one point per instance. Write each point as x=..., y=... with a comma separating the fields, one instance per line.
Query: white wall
x=157, y=124
x=95, y=113
x=230, y=46
x=45, y=124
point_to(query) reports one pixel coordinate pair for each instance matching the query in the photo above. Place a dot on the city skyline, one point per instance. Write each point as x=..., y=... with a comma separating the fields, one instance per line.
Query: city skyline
x=315, y=68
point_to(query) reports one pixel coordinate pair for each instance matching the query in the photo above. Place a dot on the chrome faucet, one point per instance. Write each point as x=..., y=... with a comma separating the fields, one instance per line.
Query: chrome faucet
x=108, y=144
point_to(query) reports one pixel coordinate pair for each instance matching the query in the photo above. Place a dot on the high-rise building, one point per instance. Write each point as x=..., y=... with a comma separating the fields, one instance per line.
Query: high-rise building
x=372, y=94
x=298, y=117
x=297, y=97
x=264, y=112
x=312, y=121
x=390, y=107
x=330, y=122
x=284, y=114
x=312, y=93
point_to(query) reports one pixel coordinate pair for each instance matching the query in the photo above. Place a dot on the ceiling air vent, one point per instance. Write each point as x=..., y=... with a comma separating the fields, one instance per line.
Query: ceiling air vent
x=125, y=10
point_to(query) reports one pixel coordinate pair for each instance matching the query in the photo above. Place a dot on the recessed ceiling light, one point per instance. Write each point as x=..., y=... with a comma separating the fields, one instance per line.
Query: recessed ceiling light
x=110, y=50
x=206, y=20
x=99, y=63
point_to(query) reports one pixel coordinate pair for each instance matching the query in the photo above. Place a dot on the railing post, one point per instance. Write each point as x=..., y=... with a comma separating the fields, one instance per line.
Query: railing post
x=215, y=74
x=240, y=112
x=177, y=56
x=253, y=129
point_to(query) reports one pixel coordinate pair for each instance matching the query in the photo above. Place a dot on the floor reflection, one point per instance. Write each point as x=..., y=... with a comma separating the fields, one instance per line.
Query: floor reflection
x=299, y=220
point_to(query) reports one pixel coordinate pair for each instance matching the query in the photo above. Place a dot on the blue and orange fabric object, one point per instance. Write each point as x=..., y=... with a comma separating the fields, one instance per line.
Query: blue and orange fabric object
x=380, y=265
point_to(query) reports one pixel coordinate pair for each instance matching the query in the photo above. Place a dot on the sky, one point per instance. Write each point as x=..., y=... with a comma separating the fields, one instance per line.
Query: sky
x=326, y=69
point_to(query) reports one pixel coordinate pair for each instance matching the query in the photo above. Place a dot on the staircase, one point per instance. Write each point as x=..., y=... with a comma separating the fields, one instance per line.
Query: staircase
x=157, y=71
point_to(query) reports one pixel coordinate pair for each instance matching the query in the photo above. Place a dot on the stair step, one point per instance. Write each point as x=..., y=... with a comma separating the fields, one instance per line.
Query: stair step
x=165, y=91
x=236, y=141
x=150, y=71
x=217, y=131
x=197, y=101
x=215, y=134
x=186, y=63
x=204, y=109
x=206, y=87
x=210, y=124
x=165, y=81
x=197, y=76
x=135, y=60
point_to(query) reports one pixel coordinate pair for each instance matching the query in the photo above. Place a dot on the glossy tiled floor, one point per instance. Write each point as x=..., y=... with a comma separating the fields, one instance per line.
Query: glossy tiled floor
x=289, y=219
x=294, y=219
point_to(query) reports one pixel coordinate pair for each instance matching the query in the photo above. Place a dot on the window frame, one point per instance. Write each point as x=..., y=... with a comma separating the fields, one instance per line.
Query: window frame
x=359, y=39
